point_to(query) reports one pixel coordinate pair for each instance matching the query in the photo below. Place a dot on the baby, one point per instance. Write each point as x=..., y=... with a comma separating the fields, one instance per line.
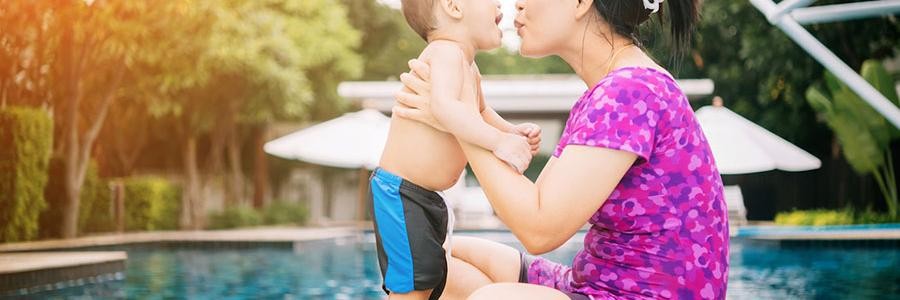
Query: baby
x=411, y=218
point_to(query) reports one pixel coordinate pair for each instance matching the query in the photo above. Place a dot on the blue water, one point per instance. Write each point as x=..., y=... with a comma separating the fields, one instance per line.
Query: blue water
x=347, y=269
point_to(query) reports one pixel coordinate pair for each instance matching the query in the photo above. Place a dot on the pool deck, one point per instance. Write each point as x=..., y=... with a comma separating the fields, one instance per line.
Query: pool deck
x=250, y=235
x=54, y=262
x=32, y=261
x=825, y=233
x=58, y=262
x=48, y=270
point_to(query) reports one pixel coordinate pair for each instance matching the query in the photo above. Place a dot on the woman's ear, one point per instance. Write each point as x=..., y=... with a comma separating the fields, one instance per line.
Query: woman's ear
x=452, y=8
x=583, y=8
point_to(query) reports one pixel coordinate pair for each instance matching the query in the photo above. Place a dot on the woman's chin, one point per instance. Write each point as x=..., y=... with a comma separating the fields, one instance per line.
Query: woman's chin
x=530, y=53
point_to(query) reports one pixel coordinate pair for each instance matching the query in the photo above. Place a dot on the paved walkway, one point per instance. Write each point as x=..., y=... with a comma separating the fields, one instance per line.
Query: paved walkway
x=261, y=234
x=812, y=233
x=29, y=264
x=33, y=261
x=36, y=271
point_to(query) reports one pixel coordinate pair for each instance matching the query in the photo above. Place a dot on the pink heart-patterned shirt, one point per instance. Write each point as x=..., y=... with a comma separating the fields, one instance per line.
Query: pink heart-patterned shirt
x=663, y=232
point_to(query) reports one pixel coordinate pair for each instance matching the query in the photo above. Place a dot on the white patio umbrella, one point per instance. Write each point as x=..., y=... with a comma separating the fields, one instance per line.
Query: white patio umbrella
x=354, y=140
x=741, y=147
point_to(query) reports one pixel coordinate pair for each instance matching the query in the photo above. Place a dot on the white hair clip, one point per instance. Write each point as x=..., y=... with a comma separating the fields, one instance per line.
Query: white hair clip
x=652, y=4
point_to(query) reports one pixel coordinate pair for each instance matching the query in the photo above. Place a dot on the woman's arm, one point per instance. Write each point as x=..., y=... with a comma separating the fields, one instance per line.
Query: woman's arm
x=569, y=191
x=542, y=215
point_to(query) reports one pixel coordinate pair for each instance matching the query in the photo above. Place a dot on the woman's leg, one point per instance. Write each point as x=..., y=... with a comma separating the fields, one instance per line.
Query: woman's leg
x=517, y=291
x=501, y=263
x=477, y=263
x=463, y=279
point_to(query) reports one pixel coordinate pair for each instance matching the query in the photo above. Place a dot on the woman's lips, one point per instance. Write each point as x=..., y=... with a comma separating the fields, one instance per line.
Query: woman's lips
x=498, y=19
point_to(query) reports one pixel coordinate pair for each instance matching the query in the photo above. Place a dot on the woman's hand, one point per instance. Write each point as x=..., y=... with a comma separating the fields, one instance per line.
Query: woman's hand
x=413, y=101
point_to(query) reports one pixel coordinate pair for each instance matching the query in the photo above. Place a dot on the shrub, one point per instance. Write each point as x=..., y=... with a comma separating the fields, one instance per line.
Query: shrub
x=26, y=138
x=815, y=218
x=151, y=203
x=280, y=212
x=234, y=217
x=871, y=217
x=822, y=217
x=95, y=211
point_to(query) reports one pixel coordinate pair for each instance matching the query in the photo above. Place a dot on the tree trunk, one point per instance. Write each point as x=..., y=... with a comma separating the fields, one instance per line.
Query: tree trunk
x=77, y=146
x=235, y=174
x=260, y=167
x=192, y=184
x=69, y=224
x=71, y=98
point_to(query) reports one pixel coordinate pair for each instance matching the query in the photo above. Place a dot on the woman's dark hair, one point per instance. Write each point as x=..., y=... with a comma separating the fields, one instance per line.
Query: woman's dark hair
x=626, y=16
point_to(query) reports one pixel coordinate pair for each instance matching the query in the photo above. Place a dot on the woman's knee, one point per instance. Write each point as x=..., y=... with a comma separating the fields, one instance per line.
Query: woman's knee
x=498, y=261
x=516, y=291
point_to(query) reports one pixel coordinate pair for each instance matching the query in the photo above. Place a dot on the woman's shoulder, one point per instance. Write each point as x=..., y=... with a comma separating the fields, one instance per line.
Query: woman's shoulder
x=627, y=85
x=638, y=78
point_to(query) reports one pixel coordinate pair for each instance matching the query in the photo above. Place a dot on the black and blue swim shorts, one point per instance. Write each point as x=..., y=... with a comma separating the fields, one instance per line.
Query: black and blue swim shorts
x=410, y=229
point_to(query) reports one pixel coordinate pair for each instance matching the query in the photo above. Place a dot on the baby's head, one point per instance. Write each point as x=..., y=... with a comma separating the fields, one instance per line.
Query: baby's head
x=471, y=21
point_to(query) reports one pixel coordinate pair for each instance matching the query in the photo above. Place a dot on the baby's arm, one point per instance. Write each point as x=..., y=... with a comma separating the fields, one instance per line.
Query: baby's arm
x=463, y=120
x=491, y=117
x=529, y=130
x=488, y=114
x=458, y=118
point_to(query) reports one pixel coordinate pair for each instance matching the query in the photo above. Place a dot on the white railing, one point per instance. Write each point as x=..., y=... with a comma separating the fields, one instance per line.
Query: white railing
x=788, y=15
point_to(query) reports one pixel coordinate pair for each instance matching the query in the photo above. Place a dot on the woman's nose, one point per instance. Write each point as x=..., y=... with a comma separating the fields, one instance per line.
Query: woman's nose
x=520, y=5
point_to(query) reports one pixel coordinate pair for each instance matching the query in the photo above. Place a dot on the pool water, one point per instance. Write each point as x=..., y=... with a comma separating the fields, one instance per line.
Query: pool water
x=347, y=269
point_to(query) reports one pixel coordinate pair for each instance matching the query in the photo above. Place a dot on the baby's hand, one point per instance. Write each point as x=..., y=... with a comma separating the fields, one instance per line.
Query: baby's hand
x=532, y=132
x=514, y=150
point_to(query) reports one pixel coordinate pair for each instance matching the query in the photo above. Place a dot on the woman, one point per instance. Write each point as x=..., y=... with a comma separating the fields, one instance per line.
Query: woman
x=632, y=163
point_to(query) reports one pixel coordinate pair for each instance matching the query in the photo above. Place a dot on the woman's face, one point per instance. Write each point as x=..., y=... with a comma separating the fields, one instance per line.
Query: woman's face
x=545, y=26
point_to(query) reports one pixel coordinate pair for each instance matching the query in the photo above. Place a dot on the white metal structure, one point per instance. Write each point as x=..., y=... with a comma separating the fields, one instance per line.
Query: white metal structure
x=789, y=15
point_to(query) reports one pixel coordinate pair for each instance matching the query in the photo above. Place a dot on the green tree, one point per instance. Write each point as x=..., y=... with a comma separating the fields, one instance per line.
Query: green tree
x=763, y=75
x=251, y=69
x=388, y=43
x=87, y=51
x=864, y=134
x=504, y=61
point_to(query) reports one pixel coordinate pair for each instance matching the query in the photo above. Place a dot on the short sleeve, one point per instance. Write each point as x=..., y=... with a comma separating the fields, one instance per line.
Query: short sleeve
x=620, y=114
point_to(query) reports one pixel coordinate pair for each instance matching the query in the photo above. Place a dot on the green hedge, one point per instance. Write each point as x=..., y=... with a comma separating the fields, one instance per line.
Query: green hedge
x=26, y=141
x=822, y=217
x=151, y=203
x=240, y=216
x=277, y=213
x=94, y=203
x=95, y=210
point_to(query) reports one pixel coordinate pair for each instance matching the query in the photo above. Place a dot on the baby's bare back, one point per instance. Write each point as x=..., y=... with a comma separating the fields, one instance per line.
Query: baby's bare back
x=423, y=155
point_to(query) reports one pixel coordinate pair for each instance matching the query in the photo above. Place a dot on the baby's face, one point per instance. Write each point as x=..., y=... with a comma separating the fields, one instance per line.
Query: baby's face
x=482, y=18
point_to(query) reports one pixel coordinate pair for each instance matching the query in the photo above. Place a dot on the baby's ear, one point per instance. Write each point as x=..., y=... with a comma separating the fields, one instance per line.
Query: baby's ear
x=452, y=8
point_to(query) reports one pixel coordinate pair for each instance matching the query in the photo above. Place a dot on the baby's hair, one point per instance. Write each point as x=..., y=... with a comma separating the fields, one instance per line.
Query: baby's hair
x=626, y=16
x=419, y=15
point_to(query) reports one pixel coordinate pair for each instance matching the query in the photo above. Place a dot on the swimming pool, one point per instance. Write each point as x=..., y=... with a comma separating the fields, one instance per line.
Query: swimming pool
x=347, y=269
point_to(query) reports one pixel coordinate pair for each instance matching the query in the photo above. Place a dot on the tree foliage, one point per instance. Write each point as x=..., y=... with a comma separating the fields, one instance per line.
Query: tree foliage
x=864, y=134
